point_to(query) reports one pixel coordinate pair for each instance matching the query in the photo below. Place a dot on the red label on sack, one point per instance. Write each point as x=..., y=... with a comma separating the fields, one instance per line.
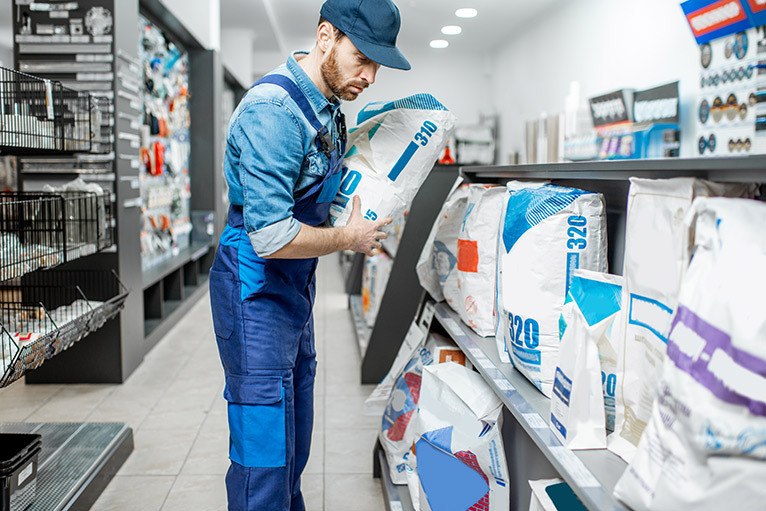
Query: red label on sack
x=716, y=16
x=757, y=5
x=467, y=256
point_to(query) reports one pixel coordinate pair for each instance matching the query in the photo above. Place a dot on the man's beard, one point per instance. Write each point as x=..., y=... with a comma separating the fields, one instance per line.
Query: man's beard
x=333, y=77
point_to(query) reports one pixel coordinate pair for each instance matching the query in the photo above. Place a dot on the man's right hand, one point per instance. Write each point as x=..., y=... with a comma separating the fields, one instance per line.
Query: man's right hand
x=364, y=235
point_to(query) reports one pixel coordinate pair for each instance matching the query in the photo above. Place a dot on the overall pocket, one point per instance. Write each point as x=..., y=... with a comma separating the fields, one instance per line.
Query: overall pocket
x=257, y=424
x=222, y=296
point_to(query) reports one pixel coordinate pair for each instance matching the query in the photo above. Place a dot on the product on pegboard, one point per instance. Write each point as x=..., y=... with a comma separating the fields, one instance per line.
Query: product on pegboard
x=165, y=149
x=705, y=445
x=377, y=270
x=548, y=232
x=655, y=244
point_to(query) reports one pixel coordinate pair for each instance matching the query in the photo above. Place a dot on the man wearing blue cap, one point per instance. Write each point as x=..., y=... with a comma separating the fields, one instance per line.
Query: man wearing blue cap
x=283, y=164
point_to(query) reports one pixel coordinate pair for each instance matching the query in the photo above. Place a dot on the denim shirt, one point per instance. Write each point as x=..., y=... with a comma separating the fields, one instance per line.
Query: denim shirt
x=271, y=156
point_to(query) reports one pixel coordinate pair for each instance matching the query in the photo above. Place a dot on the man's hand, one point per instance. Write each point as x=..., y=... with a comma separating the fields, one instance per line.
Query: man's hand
x=364, y=235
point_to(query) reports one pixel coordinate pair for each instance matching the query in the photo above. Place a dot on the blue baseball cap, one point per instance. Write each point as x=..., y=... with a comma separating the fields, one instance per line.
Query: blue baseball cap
x=372, y=25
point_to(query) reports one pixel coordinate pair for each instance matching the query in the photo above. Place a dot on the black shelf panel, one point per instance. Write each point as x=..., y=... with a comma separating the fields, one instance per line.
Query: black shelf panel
x=592, y=474
x=731, y=169
x=165, y=268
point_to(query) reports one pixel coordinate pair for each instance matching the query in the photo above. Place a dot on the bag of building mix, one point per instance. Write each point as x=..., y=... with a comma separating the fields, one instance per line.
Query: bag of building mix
x=389, y=155
x=502, y=329
x=581, y=385
x=654, y=245
x=436, y=265
x=548, y=232
x=477, y=258
x=375, y=275
x=704, y=447
x=396, y=434
x=459, y=456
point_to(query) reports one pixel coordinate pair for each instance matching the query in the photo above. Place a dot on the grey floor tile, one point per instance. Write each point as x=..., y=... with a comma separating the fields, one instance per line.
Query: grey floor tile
x=198, y=493
x=315, y=464
x=353, y=492
x=349, y=451
x=209, y=455
x=158, y=452
x=173, y=420
x=312, y=488
x=134, y=493
x=344, y=412
x=74, y=403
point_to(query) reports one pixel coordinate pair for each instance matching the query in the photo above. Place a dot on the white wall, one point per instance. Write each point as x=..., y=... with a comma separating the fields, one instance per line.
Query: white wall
x=605, y=45
x=201, y=17
x=461, y=82
x=6, y=47
x=236, y=53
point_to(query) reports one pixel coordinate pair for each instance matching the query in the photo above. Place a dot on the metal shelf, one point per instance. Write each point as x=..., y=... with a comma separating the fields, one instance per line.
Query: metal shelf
x=592, y=474
x=731, y=169
x=163, y=269
x=396, y=497
x=360, y=326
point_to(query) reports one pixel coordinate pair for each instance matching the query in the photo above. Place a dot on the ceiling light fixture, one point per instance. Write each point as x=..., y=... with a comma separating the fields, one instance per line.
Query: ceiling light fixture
x=439, y=43
x=466, y=13
x=451, y=30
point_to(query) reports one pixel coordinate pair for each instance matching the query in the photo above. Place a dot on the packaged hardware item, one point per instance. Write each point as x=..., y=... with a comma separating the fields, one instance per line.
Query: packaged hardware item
x=548, y=233
x=477, y=258
x=459, y=453
x=389, y=156
x=436, y=265
x=705, y=445
x=377, y=270
x=654, y=247
x=502, y=330
x=396, y=434
x=580, y=386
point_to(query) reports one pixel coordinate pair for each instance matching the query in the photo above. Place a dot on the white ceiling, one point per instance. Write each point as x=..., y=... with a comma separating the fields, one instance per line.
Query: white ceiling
x=284, y=25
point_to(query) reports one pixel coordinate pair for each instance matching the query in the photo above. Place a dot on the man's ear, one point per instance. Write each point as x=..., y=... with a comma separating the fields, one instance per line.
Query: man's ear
x=325, y=36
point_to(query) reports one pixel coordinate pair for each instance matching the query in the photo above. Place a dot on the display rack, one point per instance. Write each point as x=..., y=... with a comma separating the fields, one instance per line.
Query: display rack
x=45, y=229
x=396, y=497
x=403, y=293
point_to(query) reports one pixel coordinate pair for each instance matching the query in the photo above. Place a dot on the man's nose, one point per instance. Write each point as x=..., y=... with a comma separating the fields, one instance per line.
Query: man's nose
x=368, y=73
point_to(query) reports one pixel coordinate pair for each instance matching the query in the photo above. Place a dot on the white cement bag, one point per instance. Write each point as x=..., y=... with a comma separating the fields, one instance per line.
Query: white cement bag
x=654, y=244
x=578, y=417
x=502, y=329
x=458, y=440
x=377, y=270
x=396, y=434
x=389, y=156
x=477, y=258
x=705, y=445
x=548, y=232
x=436, y=267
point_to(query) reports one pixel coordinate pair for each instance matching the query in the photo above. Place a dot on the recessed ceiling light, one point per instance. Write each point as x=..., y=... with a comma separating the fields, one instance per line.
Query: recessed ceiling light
x=466, y=13
x=439, y=43
x=451, y=30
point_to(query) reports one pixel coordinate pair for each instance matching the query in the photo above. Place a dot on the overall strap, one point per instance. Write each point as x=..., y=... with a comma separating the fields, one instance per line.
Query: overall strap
x=324, y=139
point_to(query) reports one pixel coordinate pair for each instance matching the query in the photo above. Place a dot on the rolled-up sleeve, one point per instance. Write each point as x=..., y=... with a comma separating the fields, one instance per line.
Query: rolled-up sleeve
x=271, y=144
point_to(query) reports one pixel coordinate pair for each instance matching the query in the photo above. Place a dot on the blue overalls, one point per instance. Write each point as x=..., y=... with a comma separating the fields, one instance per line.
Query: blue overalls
x=262, y=314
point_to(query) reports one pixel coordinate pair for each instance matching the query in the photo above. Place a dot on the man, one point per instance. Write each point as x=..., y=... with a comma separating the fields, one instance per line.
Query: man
x=283, y=164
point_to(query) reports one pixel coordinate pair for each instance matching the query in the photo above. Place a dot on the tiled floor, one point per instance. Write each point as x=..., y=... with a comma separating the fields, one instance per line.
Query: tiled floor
x=173, y=403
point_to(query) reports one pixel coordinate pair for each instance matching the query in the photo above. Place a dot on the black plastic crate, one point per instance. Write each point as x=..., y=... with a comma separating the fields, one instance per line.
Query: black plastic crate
x=18, y=470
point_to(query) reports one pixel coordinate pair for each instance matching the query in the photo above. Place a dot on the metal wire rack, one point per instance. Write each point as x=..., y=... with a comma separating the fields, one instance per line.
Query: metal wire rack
x=40, y=116
x=42, y=230
x=44, y=313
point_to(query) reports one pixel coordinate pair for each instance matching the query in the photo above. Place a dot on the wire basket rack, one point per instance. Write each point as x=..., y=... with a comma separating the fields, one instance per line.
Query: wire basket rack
x=44, y=313
x=42, y=230
x=40, y=116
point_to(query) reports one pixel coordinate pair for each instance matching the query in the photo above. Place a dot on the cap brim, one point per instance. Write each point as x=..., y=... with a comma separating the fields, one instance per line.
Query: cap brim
x=388, y=56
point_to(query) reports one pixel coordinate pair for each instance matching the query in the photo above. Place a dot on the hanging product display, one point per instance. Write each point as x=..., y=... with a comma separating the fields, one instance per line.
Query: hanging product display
x=165, y=149
x=703, y=447
x=390, y=154
x=571, y=226
x=655, y=246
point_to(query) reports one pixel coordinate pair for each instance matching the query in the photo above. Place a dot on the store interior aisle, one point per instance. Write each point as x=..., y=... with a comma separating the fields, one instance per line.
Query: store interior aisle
x=174, y=404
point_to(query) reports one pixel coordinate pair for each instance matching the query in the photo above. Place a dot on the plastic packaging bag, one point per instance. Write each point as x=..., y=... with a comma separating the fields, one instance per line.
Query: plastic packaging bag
x=377, y=270
x=389, y=156
x=704, y=447
x=396, y=435
x=578, y=418
x=477, y=258
x=436, y=265
x=458, y=439
x=548, y=232
x=654, y=241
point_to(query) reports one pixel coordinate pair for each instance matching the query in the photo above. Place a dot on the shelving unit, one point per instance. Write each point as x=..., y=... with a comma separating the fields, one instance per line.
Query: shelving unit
x=396, y=497
x=360, y=325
